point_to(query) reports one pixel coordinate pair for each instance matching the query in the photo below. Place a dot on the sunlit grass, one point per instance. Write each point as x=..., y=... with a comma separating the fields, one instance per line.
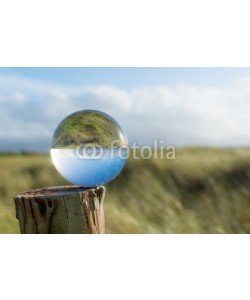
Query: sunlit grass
x=201, y=191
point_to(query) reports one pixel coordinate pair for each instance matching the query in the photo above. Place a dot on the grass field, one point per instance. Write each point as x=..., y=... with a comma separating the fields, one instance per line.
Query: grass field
x=201, y=191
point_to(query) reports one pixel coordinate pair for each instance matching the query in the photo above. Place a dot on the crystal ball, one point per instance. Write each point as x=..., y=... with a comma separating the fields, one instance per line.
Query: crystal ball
x=89, y=148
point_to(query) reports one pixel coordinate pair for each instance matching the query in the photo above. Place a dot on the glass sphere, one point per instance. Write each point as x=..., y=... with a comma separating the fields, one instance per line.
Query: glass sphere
x=89, y=148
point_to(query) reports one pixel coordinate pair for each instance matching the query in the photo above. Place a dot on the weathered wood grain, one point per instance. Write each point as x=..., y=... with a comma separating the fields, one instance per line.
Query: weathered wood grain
x=63, y=209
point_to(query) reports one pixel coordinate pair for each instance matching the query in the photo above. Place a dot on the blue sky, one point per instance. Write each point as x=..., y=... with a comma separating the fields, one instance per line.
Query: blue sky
x=128, y=78
x=182, y=106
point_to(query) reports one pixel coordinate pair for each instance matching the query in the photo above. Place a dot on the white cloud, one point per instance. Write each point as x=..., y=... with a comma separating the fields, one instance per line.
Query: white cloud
x=19, y=97
x=180, y=114
x=108, y=95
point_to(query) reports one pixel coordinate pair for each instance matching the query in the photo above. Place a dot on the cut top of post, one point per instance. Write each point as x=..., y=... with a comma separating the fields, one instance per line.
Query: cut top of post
x=55, y=191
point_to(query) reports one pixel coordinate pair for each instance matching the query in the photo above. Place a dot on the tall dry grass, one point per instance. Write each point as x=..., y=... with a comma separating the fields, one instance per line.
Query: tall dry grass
x=201, y=191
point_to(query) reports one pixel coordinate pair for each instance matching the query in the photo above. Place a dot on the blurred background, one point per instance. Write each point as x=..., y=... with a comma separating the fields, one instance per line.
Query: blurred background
x=203, y=112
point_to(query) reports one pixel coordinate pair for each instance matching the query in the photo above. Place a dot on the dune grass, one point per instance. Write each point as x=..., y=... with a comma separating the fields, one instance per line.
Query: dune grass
x=201, y=191
x=87, y=127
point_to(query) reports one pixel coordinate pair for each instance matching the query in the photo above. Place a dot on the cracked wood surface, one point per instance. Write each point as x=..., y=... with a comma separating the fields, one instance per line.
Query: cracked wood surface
x=63, y=209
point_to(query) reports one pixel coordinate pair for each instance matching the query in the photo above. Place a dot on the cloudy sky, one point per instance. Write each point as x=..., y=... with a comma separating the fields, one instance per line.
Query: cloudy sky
x=182, y=106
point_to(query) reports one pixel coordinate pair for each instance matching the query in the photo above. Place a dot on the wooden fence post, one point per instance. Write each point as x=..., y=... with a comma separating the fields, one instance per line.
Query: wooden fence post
x=63, y=209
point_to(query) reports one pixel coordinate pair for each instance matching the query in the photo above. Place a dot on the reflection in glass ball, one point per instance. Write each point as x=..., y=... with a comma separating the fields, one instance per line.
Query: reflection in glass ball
x=89, y=148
